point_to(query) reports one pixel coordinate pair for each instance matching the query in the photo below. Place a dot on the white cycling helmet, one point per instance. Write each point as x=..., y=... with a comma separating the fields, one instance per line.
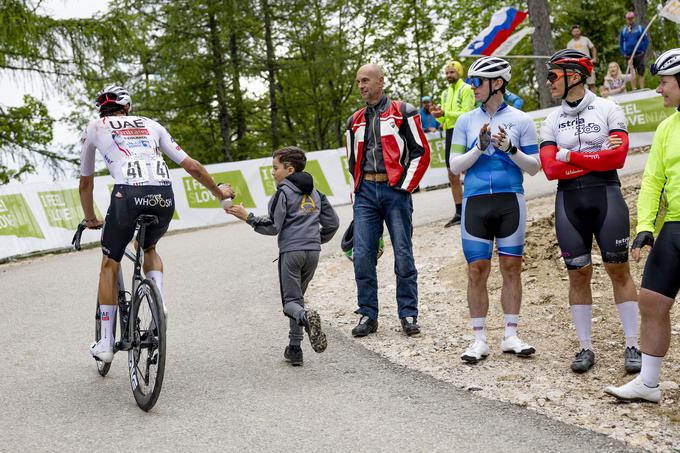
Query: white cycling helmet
x=490, y=68
x=667, y=64
x=113, y=94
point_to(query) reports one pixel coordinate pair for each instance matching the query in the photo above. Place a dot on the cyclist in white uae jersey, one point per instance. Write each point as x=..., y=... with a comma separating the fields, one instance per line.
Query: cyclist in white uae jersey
x=133, y=148
x=582, y=145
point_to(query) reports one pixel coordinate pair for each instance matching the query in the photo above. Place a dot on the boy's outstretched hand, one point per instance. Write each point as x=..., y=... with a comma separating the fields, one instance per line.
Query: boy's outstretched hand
x=237, y=211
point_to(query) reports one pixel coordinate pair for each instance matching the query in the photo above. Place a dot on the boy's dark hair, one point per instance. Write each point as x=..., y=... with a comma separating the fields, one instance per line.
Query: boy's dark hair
x=291, y=156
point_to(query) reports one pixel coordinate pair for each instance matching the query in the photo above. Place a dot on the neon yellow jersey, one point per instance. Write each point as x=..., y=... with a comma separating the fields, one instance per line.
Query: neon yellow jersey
x=456, y=100
x=662, y=173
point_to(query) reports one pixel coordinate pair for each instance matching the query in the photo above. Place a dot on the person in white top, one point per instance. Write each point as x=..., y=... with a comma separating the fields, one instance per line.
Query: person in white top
x=584, y=45
x=133, y=148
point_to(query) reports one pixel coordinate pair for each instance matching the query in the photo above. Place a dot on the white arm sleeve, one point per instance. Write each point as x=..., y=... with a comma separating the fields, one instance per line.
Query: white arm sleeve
x=530, y=164
x=87, y=154
x=169, y=147
x=461, y=162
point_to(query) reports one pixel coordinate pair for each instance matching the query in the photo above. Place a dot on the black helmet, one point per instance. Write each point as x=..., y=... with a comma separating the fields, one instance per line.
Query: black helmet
x=573, y=60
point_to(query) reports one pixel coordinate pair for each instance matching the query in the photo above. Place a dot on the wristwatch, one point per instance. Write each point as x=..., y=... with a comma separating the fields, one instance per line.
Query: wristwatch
x=512, y=150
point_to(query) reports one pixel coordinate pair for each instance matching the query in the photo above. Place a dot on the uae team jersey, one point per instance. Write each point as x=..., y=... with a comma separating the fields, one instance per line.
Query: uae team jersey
x=494, y=171
x=132, y=147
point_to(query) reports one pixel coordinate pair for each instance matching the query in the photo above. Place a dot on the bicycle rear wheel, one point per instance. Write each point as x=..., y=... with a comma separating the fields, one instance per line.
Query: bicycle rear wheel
x=102, y=368
x=146, y=359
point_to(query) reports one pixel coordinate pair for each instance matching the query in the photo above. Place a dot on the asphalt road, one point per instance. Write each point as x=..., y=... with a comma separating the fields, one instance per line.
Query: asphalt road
x=226, y=384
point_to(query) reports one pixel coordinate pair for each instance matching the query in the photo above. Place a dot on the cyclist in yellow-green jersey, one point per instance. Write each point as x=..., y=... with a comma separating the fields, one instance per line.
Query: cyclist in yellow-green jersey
x=661, y=278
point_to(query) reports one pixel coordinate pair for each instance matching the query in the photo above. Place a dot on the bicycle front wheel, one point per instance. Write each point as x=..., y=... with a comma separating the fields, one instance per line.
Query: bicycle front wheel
x=146, y=358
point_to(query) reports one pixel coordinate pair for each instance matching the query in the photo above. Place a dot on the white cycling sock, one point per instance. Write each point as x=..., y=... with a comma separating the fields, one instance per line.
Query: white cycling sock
x=479, y=329
x=157, y=277
x=583, y=322
x=651, y=370
x=629, y=314
x=511, y=322
x=107, y=315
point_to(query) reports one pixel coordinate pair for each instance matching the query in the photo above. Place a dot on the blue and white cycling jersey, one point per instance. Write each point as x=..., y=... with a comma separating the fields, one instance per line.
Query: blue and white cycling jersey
x=494, y=171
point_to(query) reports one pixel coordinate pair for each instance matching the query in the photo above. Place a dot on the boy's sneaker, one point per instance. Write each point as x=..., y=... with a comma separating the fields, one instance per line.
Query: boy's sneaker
x=475, y=352
x=585, y=359
x=632, y=361
x=513, y=345
x=635, y=390
x=293, y=354
x=365, y=326
x=312, y=323
x=101, y=350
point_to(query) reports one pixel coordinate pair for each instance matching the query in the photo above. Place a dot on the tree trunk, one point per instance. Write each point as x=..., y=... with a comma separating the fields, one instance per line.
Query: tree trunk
x=271, y=74
x=539, y=14
x=239, y=114
x=416, y=36
x=640, y=8
x=220, y=86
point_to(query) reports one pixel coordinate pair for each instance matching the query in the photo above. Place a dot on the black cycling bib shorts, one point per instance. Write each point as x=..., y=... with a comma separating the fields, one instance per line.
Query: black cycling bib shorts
x=662, y=270
x=129, y=202
x=597, y=211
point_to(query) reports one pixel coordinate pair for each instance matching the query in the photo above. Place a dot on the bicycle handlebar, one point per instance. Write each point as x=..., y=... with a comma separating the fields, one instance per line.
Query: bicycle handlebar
x=76, y=237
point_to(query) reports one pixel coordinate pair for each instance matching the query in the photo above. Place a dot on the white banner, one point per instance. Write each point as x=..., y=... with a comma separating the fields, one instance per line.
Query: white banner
x=671, y=11
x=43, y=216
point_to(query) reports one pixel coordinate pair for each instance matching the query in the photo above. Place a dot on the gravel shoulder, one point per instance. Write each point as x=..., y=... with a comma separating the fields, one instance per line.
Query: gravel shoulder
x=544, y=383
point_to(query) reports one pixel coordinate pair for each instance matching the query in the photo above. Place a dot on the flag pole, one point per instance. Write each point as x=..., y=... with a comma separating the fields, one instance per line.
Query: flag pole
x=539, y=57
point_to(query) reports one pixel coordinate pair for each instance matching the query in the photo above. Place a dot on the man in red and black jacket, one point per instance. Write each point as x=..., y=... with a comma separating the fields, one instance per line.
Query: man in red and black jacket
x=387, y=156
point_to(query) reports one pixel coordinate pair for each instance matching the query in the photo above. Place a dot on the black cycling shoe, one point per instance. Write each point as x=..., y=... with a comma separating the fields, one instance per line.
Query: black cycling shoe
x=410, y=325
x=366, y=326
x=454, y=221
x=293, y=354
x=585, y=359
x=632, y=361
x=312, y=323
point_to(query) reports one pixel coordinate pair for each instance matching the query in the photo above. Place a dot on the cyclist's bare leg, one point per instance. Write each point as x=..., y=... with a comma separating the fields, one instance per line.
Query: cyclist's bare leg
x=153, y=269
x=511, y=293
x=456, y=188
x=477, y=294
x=107, y=308
x=107, y=281
x=581, y=302
x=625, y=297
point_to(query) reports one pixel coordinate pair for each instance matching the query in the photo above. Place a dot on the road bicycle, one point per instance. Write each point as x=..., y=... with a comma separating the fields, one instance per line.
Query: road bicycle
x=142, y=323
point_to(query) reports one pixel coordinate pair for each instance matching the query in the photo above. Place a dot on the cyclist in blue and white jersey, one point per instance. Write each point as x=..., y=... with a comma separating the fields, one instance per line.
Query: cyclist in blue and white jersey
x=133, y=148
x=494, y=143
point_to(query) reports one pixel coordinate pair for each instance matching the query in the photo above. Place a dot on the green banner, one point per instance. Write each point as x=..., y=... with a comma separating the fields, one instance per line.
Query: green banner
x=644, y=115
x=313, y=168
x=175, y=215
x=62, y=208
x=345, y=168
x=437, y=153
x=16, y=218
x=200, y=197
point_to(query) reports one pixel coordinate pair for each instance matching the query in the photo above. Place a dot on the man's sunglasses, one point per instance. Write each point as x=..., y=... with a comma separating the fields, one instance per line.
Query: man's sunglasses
x=554, y=77
x=476, y=82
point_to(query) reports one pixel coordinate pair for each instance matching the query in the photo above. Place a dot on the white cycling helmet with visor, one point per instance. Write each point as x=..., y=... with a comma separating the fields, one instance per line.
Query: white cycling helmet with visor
x=112, y=98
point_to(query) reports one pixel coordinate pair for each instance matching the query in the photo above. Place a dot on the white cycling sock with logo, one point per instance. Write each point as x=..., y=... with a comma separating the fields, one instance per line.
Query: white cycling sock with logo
x=629, y=314
x=511, y=322
x=107, y=315
x=651, y=370
x=479, y=329
x=583, y=322
x=157, y=277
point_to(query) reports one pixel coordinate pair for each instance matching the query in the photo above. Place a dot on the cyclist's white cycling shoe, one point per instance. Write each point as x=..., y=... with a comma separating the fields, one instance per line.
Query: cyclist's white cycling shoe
x=101, y=350
x=475, y=352
x=514, y=345
x=635, y=390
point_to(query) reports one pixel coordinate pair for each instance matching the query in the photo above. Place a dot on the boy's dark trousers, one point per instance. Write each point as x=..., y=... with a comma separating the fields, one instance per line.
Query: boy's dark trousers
x=296, y=269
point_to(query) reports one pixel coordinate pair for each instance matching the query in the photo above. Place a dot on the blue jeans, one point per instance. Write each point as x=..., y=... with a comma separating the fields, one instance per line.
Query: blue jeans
x=374, y=204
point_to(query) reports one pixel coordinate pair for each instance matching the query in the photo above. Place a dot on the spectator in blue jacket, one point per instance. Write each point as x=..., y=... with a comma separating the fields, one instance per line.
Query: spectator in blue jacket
x=512, y=99
x=430, y=123
x=629, y=36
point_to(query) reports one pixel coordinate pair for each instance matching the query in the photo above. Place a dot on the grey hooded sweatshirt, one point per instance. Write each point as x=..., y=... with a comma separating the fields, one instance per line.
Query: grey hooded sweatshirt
x=301, y=215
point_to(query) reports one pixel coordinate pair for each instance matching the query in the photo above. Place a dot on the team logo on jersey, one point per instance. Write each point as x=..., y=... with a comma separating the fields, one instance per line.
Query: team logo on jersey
x=588, y=128
x=307, y=205
x=508, y=126
x=153, y=200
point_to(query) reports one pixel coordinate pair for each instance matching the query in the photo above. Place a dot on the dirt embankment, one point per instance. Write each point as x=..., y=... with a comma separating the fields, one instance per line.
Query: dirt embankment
x=544, y=383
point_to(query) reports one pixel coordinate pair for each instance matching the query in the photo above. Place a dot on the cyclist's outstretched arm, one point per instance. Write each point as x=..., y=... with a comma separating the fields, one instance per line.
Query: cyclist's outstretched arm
x=86, y=188
x=200, y=174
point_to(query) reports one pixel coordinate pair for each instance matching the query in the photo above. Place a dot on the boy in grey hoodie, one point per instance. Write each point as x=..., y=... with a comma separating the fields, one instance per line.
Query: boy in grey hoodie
x=303, y=219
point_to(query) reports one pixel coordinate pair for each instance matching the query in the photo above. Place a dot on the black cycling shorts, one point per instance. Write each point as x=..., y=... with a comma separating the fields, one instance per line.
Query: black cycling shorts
x=600, y=211
x=662, y=271
x=128, y=203
x=447, y=146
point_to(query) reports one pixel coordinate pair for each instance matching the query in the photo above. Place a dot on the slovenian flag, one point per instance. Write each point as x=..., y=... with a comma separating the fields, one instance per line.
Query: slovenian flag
x=503, y=23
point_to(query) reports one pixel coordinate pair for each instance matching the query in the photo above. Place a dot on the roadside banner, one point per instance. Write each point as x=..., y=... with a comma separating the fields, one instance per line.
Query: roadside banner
x=43, y=216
